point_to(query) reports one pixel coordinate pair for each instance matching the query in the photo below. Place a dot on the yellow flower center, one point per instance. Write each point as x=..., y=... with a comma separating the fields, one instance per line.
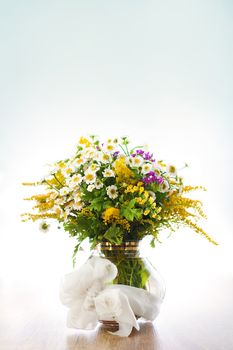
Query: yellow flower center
x=106, y=157
x=89, y=177
x=172, y=169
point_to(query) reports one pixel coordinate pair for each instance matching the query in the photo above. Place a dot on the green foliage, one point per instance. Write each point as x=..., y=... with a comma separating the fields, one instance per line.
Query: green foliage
x=114, y=234
x=84, y=227
x=76, y=248
x=131, y=269
x=129, y=212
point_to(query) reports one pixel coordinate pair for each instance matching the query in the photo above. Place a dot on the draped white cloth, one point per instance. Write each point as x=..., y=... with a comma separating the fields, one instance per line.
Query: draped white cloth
x=90, y=298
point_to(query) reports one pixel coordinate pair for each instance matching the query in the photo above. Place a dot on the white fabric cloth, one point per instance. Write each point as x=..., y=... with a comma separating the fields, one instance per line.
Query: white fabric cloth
x=90, y=298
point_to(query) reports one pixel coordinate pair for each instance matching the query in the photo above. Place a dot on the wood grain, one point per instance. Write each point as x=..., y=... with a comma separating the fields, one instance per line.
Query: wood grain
x=32, y=318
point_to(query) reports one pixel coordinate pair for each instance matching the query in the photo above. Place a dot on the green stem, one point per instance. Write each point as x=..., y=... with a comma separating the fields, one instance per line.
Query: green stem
x=123, y=150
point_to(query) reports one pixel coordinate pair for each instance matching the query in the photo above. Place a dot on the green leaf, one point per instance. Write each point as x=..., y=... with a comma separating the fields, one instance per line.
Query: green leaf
x=76, y=248
x=152, y=243
x=107, y=204
x=131, y=203
x=114, y=234
x=97, y=204
x=131, y=213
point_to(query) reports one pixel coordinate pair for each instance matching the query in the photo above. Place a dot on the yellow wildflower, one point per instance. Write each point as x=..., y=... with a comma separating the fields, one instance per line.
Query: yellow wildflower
x=84, y=141
x=61, y=165
x=124, y=223
x=141, y=189
x=31, y=183
x=35, y=217
x=44, y=206
x=146, y=212
x=193, y=188
x=151, y=200
x=123, y=173
x=113, y=215
x=86, y=212
x=146, y=195
x=39, y=197
x=110, y=214
x=138, y=188
x=139, y=200
x=199, y=230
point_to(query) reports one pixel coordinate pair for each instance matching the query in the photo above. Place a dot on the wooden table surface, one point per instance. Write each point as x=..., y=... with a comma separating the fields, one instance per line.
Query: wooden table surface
x=32, y=318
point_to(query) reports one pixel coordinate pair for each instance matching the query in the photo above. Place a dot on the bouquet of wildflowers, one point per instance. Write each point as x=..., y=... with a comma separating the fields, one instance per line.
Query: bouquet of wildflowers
x=108, y=191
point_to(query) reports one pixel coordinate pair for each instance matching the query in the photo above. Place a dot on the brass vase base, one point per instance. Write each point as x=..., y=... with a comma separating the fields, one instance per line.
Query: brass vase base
x=111, y=326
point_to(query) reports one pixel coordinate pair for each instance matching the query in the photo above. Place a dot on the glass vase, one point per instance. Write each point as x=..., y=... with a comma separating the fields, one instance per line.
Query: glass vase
x=134, y=269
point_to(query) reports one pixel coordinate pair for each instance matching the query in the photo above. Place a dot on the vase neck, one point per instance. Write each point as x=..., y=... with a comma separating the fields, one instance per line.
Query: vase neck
x=130, y=248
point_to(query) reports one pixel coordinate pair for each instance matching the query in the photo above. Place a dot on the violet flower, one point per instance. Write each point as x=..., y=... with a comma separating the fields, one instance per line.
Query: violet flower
x=145, y=155
x=115, y=154
x=140, y=151
x=152, y=177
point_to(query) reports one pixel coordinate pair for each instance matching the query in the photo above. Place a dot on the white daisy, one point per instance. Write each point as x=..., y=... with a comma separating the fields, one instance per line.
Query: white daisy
x=164, y=187
x=98, y=184
x=77, y=198
x=44, y=227
x=112, y=192
x=67, y=171
x=89, y=177
x=171, y=169
x=90, y=188
x=78, y=161
x=89, y=153
x=64, y=191
x=146, y=168
x=109, y=147
x=93, y=167
x=108, y=173
x=78, y=205
x=137, y=161
x=105, y=158
x=76, y=180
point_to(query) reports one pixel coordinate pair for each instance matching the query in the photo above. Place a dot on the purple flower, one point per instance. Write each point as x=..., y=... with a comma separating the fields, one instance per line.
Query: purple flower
x=148, y=156
x=145, y=155
x=140, y=151
x=159, y=180
x=115, y=154
x=151, y=177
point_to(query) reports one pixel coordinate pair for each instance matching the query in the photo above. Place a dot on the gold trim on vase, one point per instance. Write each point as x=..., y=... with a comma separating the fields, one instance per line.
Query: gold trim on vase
x=129, y=245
